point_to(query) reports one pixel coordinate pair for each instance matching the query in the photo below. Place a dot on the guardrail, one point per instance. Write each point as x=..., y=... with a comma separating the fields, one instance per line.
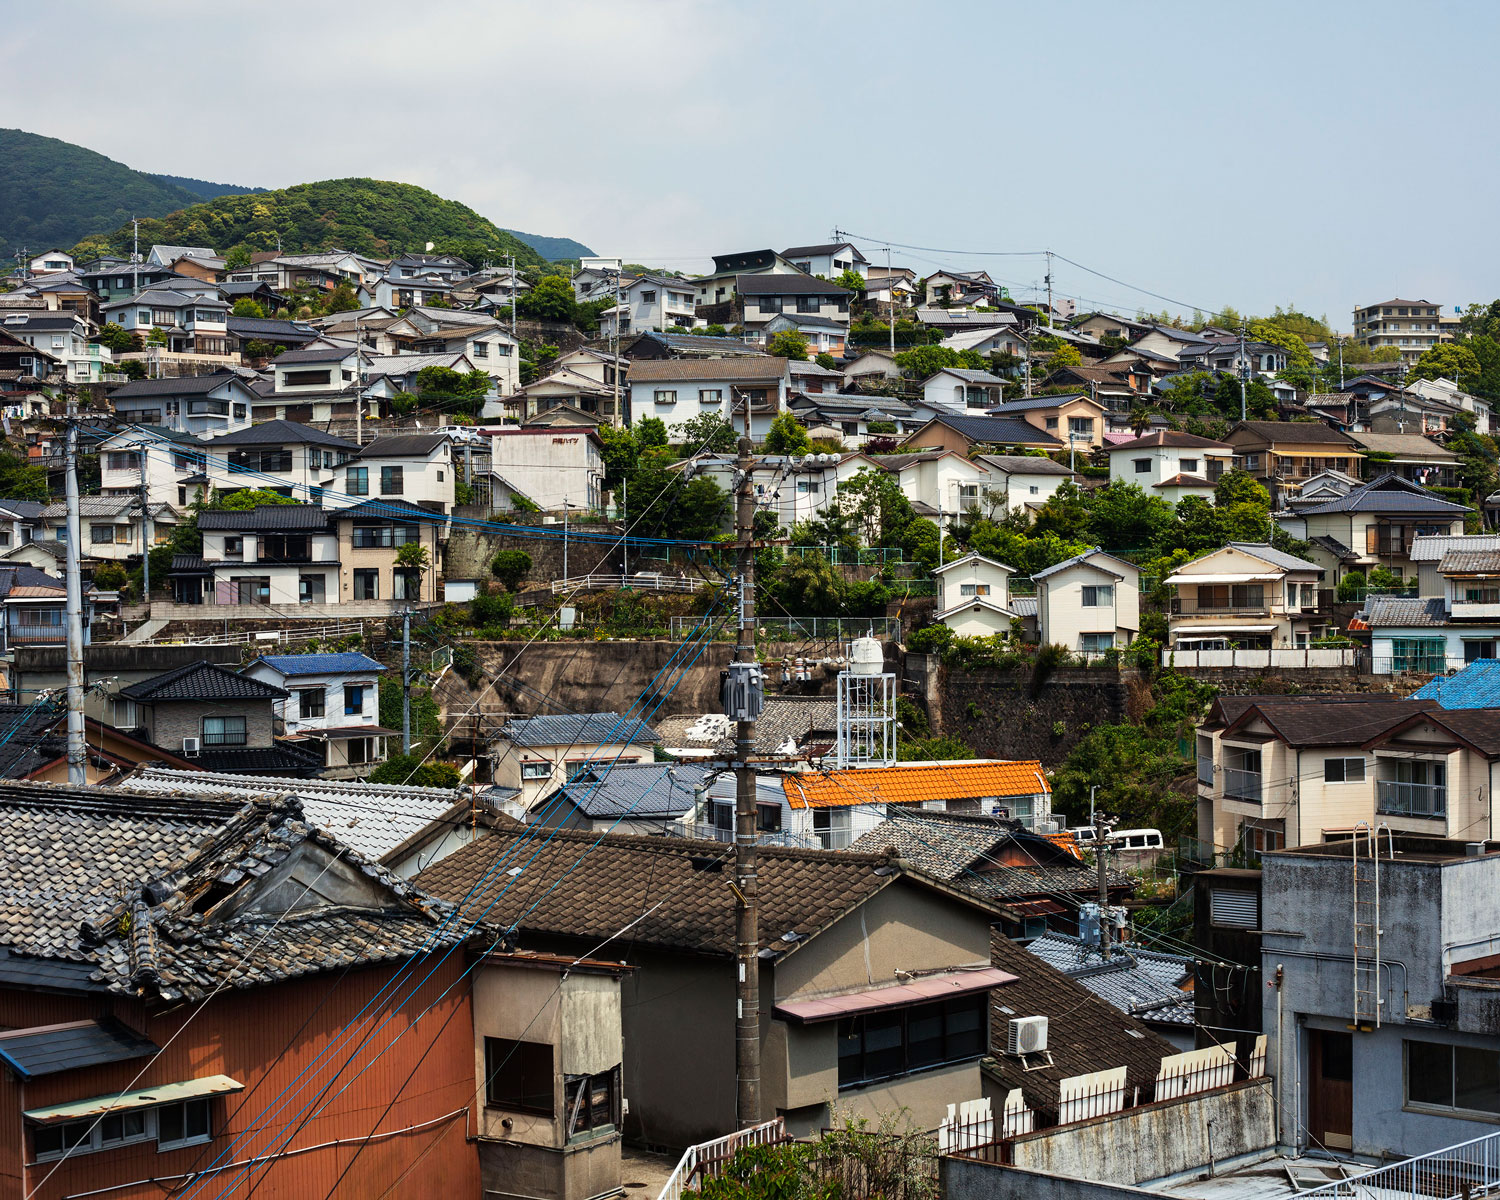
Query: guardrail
x=1280, y=658
x=262, y=637
x=642, y=581
x=1466, y=1170
x=792, y=629
x=707, y=1159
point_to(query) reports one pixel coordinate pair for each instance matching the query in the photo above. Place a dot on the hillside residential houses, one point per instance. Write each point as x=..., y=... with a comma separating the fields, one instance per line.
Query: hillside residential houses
x=974, y=596
x=680, y=390
x=1283, y=455
x=332, y=702
x=1409, y=325
x=538, y=755
x=1077, y=421
x=1088, y=604
x=1247, y=595
x=1170, y=464
x=1433, y=634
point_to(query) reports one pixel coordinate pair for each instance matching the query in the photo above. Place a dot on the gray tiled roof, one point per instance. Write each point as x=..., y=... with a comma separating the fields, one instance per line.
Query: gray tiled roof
x=1023, y=606
x=316, y=354
x=1464, y=562
x=1389, y=494
x=1136, y=981
x=1405, y=612
x=567, y=729
x=786, y=284
x=1277, y=558
x=1022, y=464
x=267, y=516
x=633, y=790
x=1431, y=547
x=279, y=433
x=46, y=1051
x=202, y=681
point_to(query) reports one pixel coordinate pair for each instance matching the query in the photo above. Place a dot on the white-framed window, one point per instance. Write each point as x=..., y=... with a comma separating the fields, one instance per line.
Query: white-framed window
x=536, y=770
x=1188, y=466
x=973, y=589
x=1344, y=770
x=185, y=1123
x=1098, y=595
x=182, y=1124
x=1096, y=643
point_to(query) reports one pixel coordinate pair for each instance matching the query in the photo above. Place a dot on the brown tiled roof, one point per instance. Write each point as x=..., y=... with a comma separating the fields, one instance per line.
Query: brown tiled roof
x=674, y=890
x=1084, y=1033
x=1295, y=433
x=1174, y=438
x=1324, y=720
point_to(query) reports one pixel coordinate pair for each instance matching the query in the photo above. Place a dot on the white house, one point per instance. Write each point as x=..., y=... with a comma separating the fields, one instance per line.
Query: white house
x=1170, y=464
x=974, y=596
x=823, y=335
x=959, y=389
x=111, y=526
x=333, y=700
x=1089, y=603
x=200, y=405
x=298, y=461
x=175, y=465
x=1021, y=480
x=762, y=297
x=830, y=259
x=676, y=390
x=552, y=468
x=1433, y=634
x=50, y=263
x=938, y=481
x=414, y=467
x=64, y=336
x=486, y=345
x=874, y=364
x=718, y=287
x=191, y=321
x=1000, y=338
x=1247, y=595
x=647, y=302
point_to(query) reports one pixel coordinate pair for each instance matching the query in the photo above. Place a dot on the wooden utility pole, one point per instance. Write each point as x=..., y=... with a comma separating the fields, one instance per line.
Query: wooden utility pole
x=77, y=750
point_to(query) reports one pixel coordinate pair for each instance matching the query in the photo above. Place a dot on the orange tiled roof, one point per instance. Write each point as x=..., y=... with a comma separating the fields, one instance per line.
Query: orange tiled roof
x=913, y=783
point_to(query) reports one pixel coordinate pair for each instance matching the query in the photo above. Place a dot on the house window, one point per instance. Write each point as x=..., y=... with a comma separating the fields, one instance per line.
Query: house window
x=809, y=487
x=481, y=350
x=307, y=378
x=973, y=589
x=767, y=818
x=1096, y=643
x=887, y=1044
x=1482, y=595
x=311, y=589
x=311, y=702
x=224, y=731
x=648, y=297
x=592, y=1103
x=390, y=481
x=1098, y=595
x=831, y=826
x=1081, y=427
x=354, y=700
x=101, y=533
x=536, y=770
x=1188, y=466
x=1051, y=422
x=1344, y=770
x=367, y=583
x=518, y=1075
x=1463, y=1078
x=184, y=1124
x=406, y=584
x=770, y=304
x=124, y=461
x=666, y=396
x=1142, y=465
x=808, y=304
x=357, y=481
x=710, y=395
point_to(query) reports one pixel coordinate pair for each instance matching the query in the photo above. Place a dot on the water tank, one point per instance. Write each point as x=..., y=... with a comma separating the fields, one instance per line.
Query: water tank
x=866, y=657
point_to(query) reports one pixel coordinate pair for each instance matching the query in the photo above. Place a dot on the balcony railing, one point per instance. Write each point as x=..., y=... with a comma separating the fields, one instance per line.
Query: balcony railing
x=1191, y=606
x=1241, y=785
x=1397, y=799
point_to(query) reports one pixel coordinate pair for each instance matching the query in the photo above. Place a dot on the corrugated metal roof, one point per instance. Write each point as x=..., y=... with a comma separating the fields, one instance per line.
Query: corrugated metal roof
x=567, y=729
x=922, y=990
x=319, y=664
x=916, y=783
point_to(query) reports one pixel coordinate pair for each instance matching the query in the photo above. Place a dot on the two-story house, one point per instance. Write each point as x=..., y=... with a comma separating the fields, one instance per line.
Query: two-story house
x=1077, y=421
x=35, y=608
x=1376, y=524
x=1171, y=464
x=646, y=302
x=483, y=341
x=314, y=385
x=940, y=482
x=111, y=526
x=1088, y=604
x=760, y=298
x=332, y=702
x=176, y=465
x=413, y=467
x=584, y=379
x=677, y=390
x=202, y=405
x=552, y=468
x=1415, y=458
x=829, y=259
x=191, y=321
x=1021, y=480
x=299, y=461
x=1433, y=634
x=947, y=288
x=1247, y=595
x=539, y=754
x=974, y=596
x=718, y=289
x=962, y=390
x=965, y=434
x=1283, y=455
x=63, y=337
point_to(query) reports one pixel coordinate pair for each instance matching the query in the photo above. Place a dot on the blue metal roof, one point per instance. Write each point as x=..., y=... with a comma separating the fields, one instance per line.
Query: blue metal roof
x=572, y=729
x=320, y=664
x=1476, y=686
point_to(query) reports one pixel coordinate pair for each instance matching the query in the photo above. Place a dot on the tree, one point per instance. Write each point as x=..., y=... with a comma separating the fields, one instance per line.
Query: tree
x=510, y=567
x=246, y=307
x=453, y=391
x=426, y=717
x=827, y=361
x=923, y=362
x=787, y=435
x=1448, y=360
x=1123, y=517
x=115, y=338
x=1240, y=487
x=343, y=298
x=237, y=257
x=1065, y=355
x=413, y=556
x=22, y=480
x=699, y=512
x=551, y=299
x=852, y=281
x=157, y=336
x=651, y=431
x=708, y=432
x=410, y=770
x=244, y=499
x=788, y=344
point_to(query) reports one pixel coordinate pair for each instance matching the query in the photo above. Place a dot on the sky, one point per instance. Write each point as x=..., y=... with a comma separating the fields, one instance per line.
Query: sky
x=1318, y=154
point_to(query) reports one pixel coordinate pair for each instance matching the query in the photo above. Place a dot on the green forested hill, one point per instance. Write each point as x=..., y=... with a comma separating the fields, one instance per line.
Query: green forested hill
x=203, y=189
x=368, y=216
x=52, y=192
x=553, y=248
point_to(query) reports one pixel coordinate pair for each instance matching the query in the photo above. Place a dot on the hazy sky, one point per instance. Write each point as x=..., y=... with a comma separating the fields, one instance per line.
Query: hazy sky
x=1317, y=153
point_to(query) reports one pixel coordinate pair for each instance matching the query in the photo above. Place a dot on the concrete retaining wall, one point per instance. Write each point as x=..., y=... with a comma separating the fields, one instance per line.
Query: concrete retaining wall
x=971, y=1179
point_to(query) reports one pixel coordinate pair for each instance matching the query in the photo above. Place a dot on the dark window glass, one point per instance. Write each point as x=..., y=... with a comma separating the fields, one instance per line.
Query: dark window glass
x=518, y=1075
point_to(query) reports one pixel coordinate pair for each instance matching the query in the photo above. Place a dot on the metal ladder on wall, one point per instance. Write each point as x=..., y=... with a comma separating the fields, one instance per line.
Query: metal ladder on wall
x=1368, y=997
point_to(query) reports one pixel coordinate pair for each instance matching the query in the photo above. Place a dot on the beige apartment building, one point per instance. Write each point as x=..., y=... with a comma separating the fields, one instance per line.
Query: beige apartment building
x=1409, y=325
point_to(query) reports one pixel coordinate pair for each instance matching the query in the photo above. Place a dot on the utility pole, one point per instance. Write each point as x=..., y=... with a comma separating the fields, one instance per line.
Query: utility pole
x=1341, y=364
x=1244, y=370
x=145, y=532
x=77, y=751
x=615, y=366
x=746, y=855
x=135, y=258
x=1049, y=289
x=891, y=287
x=625, y=518
x=359, y=400
x=1101, y=833
x=406, y=682
x=565, y=535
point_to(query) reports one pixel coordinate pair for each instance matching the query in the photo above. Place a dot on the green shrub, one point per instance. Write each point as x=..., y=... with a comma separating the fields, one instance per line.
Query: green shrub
x=1352, y=588
x=510, y=567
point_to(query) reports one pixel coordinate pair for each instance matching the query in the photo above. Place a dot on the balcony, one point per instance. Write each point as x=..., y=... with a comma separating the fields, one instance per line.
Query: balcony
x=1396, y=799
x=1242, y=785
x=1191, y=606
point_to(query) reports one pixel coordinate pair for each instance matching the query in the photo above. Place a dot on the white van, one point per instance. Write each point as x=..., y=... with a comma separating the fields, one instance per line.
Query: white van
x=1123, y=839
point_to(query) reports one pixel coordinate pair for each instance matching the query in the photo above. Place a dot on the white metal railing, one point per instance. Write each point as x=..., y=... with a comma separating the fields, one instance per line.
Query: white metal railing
x=247, y=637
x=1281, y=657
x=1395, y=798
x=707, y=1159
x=647, y=581
x=1466, y=1170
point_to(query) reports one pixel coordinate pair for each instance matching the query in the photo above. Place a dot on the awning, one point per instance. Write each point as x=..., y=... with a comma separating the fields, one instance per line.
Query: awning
x=348, y=731
x=166, y=1093
x=1187, y=632
x=45, y=1050
x=1181, y=577
x=894, y=995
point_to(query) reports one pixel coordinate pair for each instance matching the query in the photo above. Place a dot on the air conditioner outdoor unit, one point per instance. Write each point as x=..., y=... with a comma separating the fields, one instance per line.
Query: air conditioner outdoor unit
x=190, y=747
x=1028, y=1035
